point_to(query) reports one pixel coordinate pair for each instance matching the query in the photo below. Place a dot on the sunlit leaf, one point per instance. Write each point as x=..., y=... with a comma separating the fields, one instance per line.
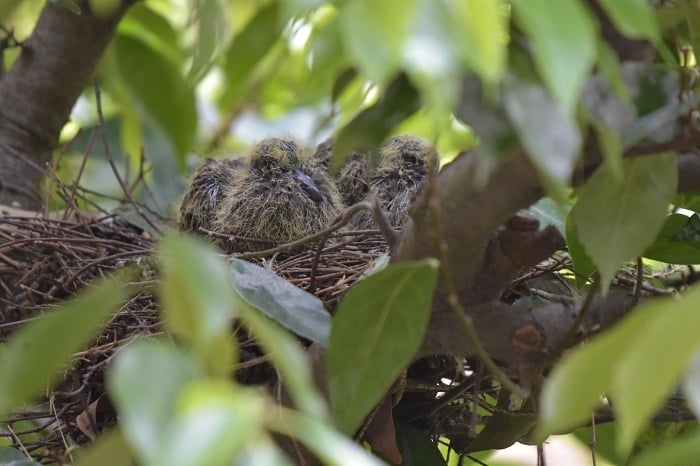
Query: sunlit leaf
x=144, y=381
x=672, y=326
x=294, y=308
x=552, y=139
x=478, y=29
x=617, y=220
x=378, y=327
x=290, y=359
x=563, y=37
x=197, y=299
x=37, y=353
x=375, y=34
x=634, y=18
x=160, y=89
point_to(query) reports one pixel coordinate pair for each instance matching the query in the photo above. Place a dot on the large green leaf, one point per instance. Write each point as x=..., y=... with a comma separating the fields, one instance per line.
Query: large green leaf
x=299, y=311
x=478, y=29
x=143, y=382
x=160, y=89
x=678, y=241
x=551, y=137
x=212, y=35
x=377, y=329
x=617, y=220
x=634, y=18
x=375, y=34
x=563, y=37
x=37, y=354
x=197, y=299
x=673, y=326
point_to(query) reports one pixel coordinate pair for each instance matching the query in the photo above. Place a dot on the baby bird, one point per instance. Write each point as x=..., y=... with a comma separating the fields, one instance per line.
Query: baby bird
x=353, y=179
x=206, y=190
x=404, y=164
x=282, y=195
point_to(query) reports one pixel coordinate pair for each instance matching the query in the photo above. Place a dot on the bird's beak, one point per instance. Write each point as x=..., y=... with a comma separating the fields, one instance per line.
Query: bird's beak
x=308, y=186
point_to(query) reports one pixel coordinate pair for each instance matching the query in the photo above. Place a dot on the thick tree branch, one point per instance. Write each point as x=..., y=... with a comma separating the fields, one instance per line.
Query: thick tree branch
x=38, y=92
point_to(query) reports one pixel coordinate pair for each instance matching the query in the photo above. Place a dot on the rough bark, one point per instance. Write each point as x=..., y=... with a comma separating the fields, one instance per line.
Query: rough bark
x=38, y=92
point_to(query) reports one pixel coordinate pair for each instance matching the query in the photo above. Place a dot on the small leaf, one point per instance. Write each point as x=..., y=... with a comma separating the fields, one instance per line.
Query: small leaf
x=617, y=221
x=551, y=138
x=563, y=37
x=37, y=353
x=378, y=327
x=416, y=447
x=682, y=451
x=294, y=308
x=678, y=241
x=548, y=212
x=158, y=85
x=110, y=449
x=673, y=325
x=143, y=382
x=634, y=18
x=691, y=384
x=289, y=358
x=583, y=264
x=375, y=34
x=197, y=299
x=11, y=457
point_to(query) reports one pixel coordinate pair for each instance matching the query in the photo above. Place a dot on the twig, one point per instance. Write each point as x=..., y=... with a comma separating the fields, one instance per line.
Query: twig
x=638, y=283
x=587, y=304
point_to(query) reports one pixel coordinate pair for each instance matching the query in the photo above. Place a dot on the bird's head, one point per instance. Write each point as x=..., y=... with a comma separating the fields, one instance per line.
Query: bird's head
x=407, y=153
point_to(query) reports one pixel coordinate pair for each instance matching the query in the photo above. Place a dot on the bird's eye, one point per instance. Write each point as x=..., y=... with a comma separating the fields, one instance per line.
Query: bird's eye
x=410, y=159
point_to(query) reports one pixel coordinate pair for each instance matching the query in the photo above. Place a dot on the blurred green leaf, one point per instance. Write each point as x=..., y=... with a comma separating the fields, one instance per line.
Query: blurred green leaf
x=416, y=447
x=212, y=422
x=365, y=132
x=378, y=327
x=634, y=18
x=673, y=326
x=678, y=241
x=375, y=34
x=563, y=36
x=324, y=441
x=110, y=449
x=504, y=427
x=69, y=5
x=248, y=48
x=683, y=451
x=294, y=308
x=290, y=359
x=197, y=299
x=616, y=221
x=603, y=437
x=691, y=384
x=160, y=89
x=212, y=35
x=11, y=457
x=37, y=353
x=150, y=27
x=7, y=7
x=551, y=138
x=583, y=264
x=104, y=9
x=478, y=28
x=144, y=381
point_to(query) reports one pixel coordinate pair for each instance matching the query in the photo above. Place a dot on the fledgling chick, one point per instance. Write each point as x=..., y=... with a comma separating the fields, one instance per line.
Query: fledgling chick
x=282, y=195
x=354, y=178
x=199, y=204
x=404, y=165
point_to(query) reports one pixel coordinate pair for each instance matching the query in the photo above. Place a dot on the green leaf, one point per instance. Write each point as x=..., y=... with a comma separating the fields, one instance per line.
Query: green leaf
x=37, y=353
x=634, y=18
x=672, y=325
x=197, y=299
x=375, y=34
x=551, y=138
x=678, y=241
x=548, y=212
x=369, y=128
x=563, y=37
x=378, y=327
x=110, y=449
x=678, y=452
x=213, y=421
x=691, y=385
x=297, y=310
x=248, y=48
x=416, y=447
x=574, y=388
x=11, y=457
x=617, y=221
x=323, y=441
x=478, y=28
x=158, y=85
x=144, y=381
x=289, y=358
x=583, y=264
x=212, y=35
